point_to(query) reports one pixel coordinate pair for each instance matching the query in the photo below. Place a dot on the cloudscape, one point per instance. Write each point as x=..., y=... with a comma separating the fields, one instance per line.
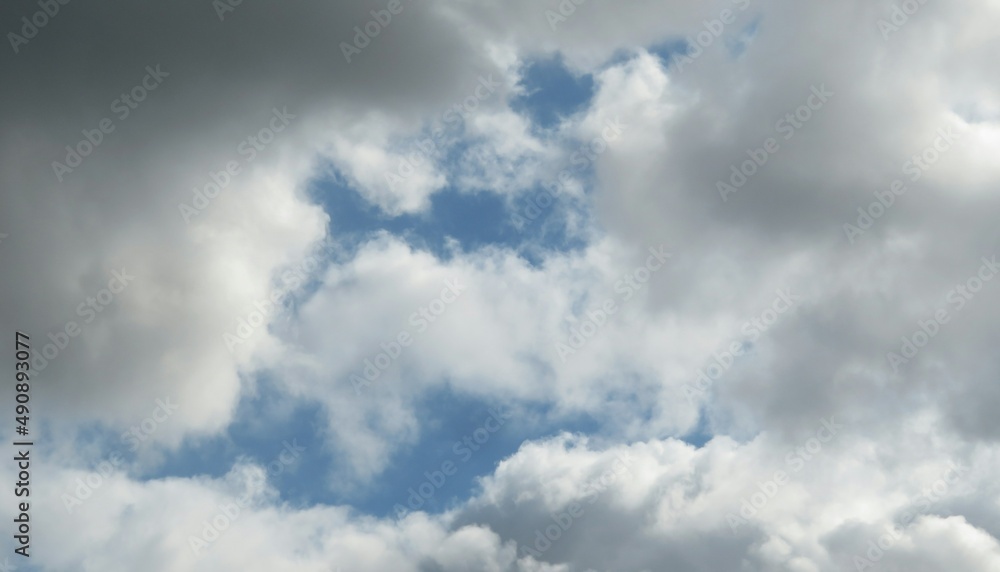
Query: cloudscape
x=484, y=286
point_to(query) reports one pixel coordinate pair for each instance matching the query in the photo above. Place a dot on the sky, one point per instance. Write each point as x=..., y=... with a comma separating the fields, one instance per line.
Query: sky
x=520, y=286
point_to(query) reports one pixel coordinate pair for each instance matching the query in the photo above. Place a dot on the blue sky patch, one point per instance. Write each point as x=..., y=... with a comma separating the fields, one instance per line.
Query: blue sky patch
x=263, y=426
x=474, y=220
x=552, y=92
x=738, y=44
x=666, y=51
x=470, y=434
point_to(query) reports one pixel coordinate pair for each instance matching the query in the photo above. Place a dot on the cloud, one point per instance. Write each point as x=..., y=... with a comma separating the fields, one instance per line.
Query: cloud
x=128, y=296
